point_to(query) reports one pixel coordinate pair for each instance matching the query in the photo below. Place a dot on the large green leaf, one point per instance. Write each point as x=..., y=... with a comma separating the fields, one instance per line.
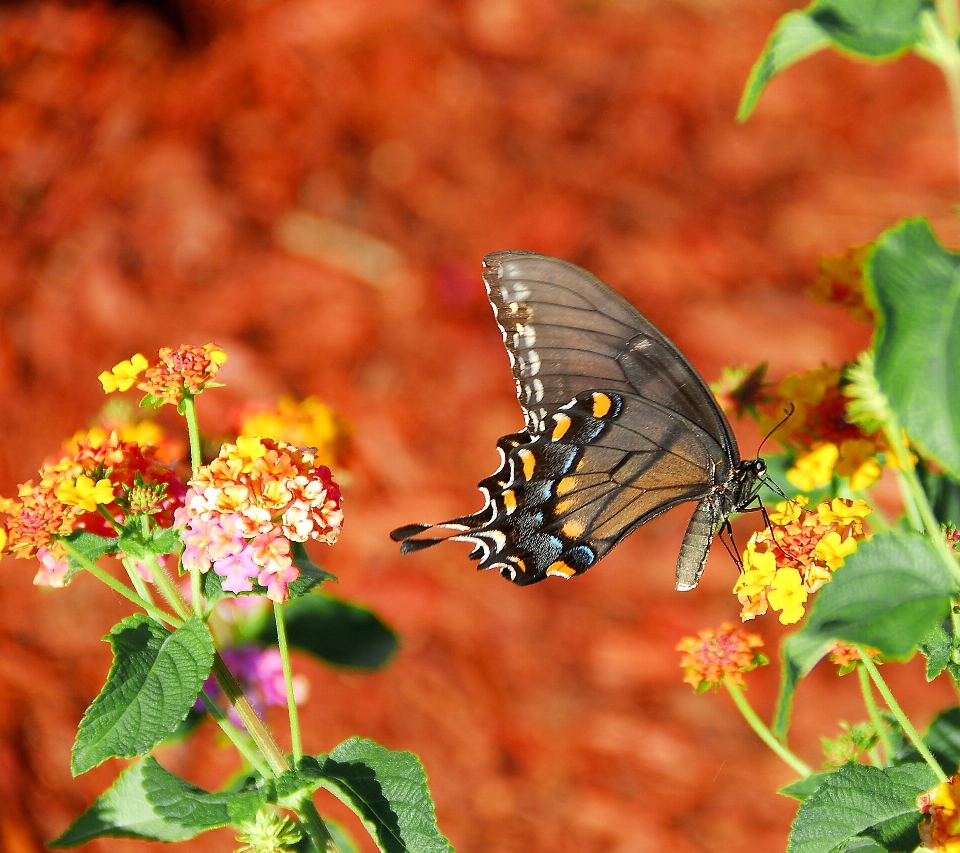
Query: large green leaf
x=943, y=740
x=856, y=805
x=871, y=29
x=916, y=286
x=889, y=594
x=155, y=679
x=799, y=653
x=336, y=631
x=386, y=789
x=151, y=803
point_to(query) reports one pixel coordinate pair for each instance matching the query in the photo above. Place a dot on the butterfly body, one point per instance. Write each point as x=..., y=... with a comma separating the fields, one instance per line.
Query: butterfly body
x=619, y=428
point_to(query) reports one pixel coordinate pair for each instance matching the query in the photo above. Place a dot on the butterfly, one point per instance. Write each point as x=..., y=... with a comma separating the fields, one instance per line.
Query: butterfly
x=620, y=428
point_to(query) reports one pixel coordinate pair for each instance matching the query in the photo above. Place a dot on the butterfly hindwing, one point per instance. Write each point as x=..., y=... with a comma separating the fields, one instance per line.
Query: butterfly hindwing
x=560, y=500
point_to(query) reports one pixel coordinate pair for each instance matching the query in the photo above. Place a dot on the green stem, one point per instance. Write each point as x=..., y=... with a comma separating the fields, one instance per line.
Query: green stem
x=136, y=580
x=912, y=734
x=237, y=738
x=117, y=527
x=316, y=828
x=253, y=724
x=196, y=460
x=167, y=587
x=116, y=586
x=763, y=732
x=288, y=680
x=941, y=49
x=929, y=523
x=193, y=430
x=874, y=712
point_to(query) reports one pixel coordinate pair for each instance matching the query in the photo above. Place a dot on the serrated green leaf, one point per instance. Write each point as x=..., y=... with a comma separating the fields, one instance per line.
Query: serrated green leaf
x=803, y=788
x=795, y=36
x=153, y=683
x=857, y=800
x=889, y=594
x=871, y=29
x=336, y=631
x=916, y=288
x=311, y=575
x=799, y=654
x=943, y=494
x=90, y=546
x=148, y=802
x=388, y=792
x=937, y=648
x=943, y=739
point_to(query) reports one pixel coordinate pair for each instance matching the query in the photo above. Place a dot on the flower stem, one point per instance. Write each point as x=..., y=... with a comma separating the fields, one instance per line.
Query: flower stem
x=236, y=737
x=288, y=680
x=167, y=587
x=136, y=580
x=930, y=525
x=316, y=828
x=874, y=712
x=121, y=589
x=254, y=725
x=196, y=460
x=897, y=711
x=762, y=731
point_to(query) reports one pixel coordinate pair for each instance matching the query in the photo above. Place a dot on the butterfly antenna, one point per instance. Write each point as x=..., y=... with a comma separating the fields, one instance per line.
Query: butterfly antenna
x=785, y=418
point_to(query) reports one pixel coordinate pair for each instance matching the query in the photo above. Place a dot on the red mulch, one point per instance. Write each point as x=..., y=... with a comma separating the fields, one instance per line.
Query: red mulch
x=186, y=178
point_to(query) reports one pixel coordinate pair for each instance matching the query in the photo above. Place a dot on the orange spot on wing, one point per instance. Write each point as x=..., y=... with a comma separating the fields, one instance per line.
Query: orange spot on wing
x=601, y=404
x=561, y=569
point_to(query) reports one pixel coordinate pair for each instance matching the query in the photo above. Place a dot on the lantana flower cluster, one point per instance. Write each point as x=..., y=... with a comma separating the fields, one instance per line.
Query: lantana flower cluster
x=788, y=561
x=940, y=830
x=102, y=476
x=244, y=509
x=712, y=657
x=176, y=372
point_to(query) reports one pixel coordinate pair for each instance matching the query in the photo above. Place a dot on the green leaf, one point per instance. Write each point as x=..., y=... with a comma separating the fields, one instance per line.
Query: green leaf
x=803, y=788
x=889, y=594
x=155, y=678
x=150, y=803
x=795, y=36
x=91, y=546
x=311, y=575
x=872, y=29
x=942, y=492
x=388, y=792
x=943, y=740
x=917, y=291
x=937, y=647
x=799, y=653
x=336, y=631
x=856, y=801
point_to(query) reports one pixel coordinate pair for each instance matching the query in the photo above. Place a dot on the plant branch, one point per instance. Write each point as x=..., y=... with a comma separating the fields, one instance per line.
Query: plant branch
x=912, y=734
x=763, y=732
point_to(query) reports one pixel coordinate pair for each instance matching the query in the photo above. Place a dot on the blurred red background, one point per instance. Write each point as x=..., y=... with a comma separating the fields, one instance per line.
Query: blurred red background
x=312, y=184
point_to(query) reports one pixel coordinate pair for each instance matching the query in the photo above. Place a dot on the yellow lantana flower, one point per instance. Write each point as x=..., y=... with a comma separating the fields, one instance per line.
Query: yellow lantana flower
x=840, y=512
x=123, y=375
x=788, y=595
x=814, y=469
x=250, y=449
x=85, y=493
x=787, y=511
x=832, y=550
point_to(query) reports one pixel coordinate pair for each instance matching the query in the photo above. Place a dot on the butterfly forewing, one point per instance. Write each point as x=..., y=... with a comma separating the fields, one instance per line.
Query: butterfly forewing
x=567, y=333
